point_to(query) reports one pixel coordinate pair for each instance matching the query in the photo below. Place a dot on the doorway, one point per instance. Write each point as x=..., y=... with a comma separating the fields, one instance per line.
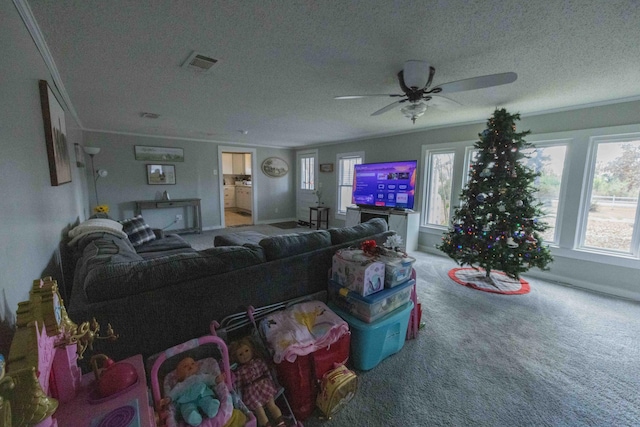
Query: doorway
x=237, y=186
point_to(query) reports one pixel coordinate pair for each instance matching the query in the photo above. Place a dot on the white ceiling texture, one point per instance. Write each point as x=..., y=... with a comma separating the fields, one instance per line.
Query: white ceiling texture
x=282, y=62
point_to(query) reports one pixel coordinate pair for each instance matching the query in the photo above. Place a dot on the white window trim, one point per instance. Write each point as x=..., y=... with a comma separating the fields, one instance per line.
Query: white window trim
x=543, y=143
x=460, y=150
x=585, y=200
x=340, y=156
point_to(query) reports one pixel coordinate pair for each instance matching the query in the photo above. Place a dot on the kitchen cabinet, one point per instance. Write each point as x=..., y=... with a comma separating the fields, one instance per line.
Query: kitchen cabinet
x=243, y=198
x=229, y=196
x=227, y=163
x=236, y=163
x=247, y=164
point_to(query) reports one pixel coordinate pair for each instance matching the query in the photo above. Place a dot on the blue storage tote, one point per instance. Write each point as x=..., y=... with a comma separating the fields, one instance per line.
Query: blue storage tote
x=371, y=343
x=372, y=307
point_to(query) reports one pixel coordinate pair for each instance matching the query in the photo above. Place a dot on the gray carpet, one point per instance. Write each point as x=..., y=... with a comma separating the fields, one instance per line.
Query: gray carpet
x=558, y=356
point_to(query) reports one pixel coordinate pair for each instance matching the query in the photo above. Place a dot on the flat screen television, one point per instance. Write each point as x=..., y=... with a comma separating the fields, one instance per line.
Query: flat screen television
x=388, y=185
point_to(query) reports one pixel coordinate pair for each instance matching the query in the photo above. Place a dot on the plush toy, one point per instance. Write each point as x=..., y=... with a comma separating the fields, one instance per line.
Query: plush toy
x=253, y=379
x=194, y=392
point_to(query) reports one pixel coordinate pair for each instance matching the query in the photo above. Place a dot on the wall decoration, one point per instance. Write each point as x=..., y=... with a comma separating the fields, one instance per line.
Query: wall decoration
x=326, y=167
x=159, y=154
x=275, y=167
x=161, y=174
x=55, y=135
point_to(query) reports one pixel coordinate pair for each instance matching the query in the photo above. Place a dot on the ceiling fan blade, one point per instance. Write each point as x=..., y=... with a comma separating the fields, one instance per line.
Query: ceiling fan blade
x=366, y=96
x=388, y=107
x=476, y=83
x=440, y=101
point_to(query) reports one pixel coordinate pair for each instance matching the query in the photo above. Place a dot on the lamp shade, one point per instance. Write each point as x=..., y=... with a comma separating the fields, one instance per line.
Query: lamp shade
x=92, y=151
x=416, y=74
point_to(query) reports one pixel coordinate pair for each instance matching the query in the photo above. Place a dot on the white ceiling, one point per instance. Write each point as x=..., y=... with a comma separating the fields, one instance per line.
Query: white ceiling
x=282, y=62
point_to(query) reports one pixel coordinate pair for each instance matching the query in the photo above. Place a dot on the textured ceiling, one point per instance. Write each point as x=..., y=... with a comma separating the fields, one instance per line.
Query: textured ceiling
x=282, y=62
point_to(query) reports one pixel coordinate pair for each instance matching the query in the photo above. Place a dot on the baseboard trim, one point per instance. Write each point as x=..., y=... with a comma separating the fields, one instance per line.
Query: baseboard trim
x=563, y=280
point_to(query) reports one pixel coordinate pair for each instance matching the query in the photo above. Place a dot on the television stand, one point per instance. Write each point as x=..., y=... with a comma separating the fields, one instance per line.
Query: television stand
x=404, y=222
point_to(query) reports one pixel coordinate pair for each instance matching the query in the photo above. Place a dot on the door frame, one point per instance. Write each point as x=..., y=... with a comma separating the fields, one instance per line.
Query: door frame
x=254, y=184
x=305, y=198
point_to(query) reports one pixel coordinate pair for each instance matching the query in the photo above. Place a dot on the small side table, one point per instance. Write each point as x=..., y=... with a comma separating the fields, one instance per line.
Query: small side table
x=321, y=212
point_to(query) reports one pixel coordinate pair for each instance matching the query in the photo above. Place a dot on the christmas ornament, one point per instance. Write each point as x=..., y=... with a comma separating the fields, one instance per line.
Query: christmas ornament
x=519, y=203
x=481, y=197
x=511, y=243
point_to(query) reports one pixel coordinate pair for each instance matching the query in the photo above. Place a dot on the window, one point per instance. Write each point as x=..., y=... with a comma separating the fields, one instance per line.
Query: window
x=346, y=163
x=439, y=185
x=611, y=216
x=307, y=172
x=549, y=161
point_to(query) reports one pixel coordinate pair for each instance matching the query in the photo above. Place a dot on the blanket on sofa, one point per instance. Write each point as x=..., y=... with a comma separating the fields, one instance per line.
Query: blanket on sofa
x=96, y=225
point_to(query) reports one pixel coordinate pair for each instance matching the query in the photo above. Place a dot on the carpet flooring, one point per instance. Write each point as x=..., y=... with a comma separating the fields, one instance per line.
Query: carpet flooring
x=557, y=356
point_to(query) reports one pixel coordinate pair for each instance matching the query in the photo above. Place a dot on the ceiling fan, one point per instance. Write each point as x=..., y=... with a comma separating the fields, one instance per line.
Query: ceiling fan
x=415, y=80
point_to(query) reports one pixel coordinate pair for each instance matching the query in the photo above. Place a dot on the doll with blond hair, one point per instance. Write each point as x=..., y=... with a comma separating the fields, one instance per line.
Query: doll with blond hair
x=193, y=394
x=254, y=381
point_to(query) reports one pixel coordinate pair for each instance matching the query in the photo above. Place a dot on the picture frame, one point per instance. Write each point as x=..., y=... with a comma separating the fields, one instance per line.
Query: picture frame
x=326, y=167
x=161, y=174
x=55, y=134
x=274, y=167
x=158, y=154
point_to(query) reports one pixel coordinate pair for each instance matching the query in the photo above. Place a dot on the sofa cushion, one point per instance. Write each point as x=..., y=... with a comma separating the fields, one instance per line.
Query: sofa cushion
x=238, y=239
x=286, y=245
x=347, y=234
x=169, y=242
x=137, y=230
x=119, y=279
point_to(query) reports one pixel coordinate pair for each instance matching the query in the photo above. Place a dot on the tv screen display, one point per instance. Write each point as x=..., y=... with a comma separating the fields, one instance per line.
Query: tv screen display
x=385, y=185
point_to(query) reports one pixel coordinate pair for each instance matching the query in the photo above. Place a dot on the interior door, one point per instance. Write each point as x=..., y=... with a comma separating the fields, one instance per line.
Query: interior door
x=306, y=182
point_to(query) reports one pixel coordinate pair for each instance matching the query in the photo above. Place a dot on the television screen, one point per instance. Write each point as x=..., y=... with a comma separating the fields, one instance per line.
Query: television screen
x=385, y=185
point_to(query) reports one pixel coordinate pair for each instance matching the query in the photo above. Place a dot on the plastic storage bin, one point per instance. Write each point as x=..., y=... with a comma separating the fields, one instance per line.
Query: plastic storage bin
x=372, y=307
x=397, y=269
x=371, y=343
x=358, y=272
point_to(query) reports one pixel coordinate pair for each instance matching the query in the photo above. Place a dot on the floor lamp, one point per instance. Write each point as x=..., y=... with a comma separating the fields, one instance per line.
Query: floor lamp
x=99, y=173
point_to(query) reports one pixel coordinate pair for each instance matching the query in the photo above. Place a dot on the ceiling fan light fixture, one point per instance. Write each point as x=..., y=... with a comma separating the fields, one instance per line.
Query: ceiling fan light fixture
x=415, y=74
x=415, y=110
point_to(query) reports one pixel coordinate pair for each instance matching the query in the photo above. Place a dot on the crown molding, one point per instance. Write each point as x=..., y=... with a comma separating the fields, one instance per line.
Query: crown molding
x=34, y=30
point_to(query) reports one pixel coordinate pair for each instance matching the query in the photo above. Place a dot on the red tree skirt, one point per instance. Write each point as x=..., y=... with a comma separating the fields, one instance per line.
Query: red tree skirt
x=477, y=279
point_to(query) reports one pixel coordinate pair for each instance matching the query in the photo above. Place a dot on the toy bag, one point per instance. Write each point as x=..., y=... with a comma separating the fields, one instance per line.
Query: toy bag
x=337, y=388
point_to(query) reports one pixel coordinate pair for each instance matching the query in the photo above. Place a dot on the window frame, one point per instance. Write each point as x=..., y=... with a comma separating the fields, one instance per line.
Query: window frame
x=339, y=158
x=587, y=191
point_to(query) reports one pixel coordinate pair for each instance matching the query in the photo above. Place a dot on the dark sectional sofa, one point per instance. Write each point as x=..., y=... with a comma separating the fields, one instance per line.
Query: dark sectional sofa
x=164, y=292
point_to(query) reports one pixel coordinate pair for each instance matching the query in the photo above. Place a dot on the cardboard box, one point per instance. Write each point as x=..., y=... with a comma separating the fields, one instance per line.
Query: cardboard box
x=358, y=272
x=397, y=268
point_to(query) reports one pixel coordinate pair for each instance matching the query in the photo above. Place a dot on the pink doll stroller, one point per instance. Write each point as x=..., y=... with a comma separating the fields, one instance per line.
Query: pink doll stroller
x=245, y=324
x=211, y=355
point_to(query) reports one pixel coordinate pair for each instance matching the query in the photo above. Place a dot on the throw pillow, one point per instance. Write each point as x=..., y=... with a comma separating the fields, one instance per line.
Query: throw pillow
x=137, y=230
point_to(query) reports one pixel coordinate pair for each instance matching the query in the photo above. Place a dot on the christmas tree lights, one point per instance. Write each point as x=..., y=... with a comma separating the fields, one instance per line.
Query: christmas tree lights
x=497, y=225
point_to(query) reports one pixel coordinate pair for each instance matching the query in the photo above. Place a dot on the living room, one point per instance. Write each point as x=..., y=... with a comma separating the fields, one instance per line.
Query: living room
x=38, y=215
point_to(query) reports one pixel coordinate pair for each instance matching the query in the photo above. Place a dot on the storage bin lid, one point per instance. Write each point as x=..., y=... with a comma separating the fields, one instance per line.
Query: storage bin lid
x=371, y=298
x=393, y=316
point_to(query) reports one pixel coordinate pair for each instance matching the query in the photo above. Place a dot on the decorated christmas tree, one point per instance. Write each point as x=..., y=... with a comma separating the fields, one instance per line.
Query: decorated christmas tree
x=497, y=225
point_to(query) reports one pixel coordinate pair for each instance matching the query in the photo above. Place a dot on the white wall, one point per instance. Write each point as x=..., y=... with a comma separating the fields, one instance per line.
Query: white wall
x=34, y=214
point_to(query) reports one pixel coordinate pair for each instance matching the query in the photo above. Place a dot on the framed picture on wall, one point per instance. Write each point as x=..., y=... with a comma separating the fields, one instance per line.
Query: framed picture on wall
x=159, y=154
x=326, y=167
x=161, y=174
x=55, y=135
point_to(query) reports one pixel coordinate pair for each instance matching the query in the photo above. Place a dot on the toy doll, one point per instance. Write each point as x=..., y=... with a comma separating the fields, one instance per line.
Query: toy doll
x=194, y=392
x=254, y=381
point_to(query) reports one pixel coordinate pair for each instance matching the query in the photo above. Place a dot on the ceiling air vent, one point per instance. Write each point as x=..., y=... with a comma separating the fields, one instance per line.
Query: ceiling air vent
x=198, y=63
x=149, y=115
